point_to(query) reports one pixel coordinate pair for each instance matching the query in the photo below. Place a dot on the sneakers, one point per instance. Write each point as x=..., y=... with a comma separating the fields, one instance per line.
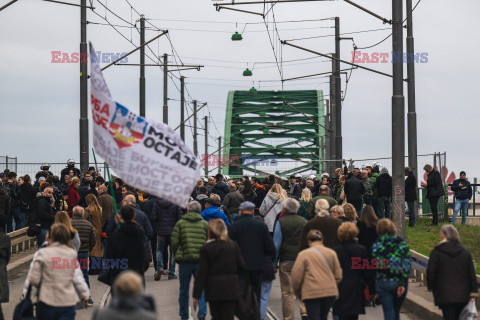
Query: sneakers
x=172, y=277
x=158, y=275
x=90, y=302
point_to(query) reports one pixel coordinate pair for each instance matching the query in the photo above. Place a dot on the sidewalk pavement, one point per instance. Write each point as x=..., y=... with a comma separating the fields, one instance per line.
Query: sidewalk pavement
x=165, y=293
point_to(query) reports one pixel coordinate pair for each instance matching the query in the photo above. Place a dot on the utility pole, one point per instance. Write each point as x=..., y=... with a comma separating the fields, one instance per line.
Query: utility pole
x=338, y=96
x=398, y=120
x=411, y=115
x=195, y=146
x=333, y=111
x=165, y=87
x=327, y=134
x=219, y=155
x=142, y=66
x=182, y=108
x=206, y=155
x=84, y=149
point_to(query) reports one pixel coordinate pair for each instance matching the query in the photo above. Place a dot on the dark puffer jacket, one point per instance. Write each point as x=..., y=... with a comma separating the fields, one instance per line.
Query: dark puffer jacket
x=188, y=236
x=435, y=185
x=451, y=274
x=164, y=216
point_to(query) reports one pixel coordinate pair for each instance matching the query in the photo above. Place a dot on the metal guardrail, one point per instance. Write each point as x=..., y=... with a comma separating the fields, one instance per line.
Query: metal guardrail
x=20, y=240
x=418, y=270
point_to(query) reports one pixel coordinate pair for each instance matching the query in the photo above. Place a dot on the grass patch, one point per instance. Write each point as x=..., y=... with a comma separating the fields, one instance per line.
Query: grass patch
x=423, y=238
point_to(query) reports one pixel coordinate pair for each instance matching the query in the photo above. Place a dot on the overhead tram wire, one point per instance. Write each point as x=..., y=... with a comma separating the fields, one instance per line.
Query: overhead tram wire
x=230, y=22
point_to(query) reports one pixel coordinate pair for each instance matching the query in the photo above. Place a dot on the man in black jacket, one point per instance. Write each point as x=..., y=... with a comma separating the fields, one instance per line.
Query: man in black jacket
x=221, y=188
x=354, y=190
x=384, y=187
x=4, y=202
x=126, y=247
x=255, y=244
x=410, y=194
x=435, y=190
x=463, y=194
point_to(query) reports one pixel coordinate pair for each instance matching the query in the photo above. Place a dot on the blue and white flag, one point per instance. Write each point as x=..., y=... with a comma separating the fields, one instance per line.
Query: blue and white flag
x=146, y=154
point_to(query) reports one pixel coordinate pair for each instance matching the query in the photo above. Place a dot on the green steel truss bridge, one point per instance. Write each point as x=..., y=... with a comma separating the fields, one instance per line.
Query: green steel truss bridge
x=278, y=132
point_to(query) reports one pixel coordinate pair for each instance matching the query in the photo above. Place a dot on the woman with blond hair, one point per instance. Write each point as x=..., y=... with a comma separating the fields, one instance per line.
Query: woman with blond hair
x=337, y=212
x=218, y=268
x=304, y=200
x=272, y=205
x=93, y=213
x=350, y=212
x=56, y=287
x=63, y=218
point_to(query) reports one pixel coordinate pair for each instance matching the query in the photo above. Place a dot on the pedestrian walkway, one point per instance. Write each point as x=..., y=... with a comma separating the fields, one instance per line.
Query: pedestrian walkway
x=165, y=293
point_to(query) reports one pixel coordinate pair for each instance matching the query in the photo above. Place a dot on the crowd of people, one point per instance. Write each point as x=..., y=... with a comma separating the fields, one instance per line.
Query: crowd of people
x=330, y=240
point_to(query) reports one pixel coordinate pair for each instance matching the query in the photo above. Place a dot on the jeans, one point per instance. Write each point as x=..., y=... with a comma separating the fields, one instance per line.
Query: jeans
x=41, y=237
x=391, y=303
x=164, y=241
x=83, y=256
x=18, y=217
x=463, y=204
x=411, y=213
x=265, y=293
x=433, y=205
x=46, y=312
x=385, y=207
x=185, y=272
x=317, y=309
x=153, y=246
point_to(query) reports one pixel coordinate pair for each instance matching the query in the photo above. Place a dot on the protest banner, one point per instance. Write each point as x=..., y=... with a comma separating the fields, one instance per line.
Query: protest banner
x=146, y=154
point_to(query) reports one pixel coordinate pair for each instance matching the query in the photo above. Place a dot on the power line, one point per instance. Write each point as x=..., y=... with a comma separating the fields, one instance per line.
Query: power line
x=230, y=22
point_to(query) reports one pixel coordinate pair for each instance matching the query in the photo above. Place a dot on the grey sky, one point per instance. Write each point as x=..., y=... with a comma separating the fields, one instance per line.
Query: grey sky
x=40, y=100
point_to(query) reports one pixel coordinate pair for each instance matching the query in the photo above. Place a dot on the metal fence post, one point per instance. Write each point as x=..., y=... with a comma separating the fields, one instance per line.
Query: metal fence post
x=16, y=169
x=6, y=162
x=474, y=192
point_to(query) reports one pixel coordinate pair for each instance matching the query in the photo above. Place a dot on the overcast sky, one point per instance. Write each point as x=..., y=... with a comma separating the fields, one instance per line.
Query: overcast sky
x=40, y=100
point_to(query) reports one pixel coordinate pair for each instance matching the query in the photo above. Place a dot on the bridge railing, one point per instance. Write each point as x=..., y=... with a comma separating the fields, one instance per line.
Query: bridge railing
x=21, y=241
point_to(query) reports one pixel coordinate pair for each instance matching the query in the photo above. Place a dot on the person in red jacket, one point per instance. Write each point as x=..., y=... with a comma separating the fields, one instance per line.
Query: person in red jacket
x=73, y=195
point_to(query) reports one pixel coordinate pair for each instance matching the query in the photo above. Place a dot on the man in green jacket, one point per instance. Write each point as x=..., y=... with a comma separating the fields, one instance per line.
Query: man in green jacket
x=286, y=237
x=188, y=236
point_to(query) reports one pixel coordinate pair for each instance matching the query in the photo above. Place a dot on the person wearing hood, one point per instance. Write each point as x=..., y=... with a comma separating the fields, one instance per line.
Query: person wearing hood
x=463, y=194
x=394, y=262
x=384, y=189
x=164, y=217
x=129, y=300
x=212, y=212
x=202, y=196
x=272, y=205
x=127, y=244
x=70, y=166
x=188, y=236
x=451, y=274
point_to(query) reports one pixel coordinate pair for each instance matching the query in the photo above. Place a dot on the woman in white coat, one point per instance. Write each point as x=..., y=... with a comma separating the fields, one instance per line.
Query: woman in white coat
x=272, y=205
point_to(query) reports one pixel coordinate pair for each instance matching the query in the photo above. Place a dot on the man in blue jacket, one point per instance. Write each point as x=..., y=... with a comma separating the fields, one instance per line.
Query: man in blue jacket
x=463, y=193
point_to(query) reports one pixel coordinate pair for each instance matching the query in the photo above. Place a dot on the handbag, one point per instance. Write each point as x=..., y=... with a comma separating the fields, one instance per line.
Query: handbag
x=24, y=309
x=247, y=304
x=105, y=276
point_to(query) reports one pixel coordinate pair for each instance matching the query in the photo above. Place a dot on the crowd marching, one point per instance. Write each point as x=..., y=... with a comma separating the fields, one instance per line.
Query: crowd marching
x=330, y=240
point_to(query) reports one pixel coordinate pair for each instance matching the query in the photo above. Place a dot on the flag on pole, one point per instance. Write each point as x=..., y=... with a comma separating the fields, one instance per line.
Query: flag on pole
x=146, y=154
